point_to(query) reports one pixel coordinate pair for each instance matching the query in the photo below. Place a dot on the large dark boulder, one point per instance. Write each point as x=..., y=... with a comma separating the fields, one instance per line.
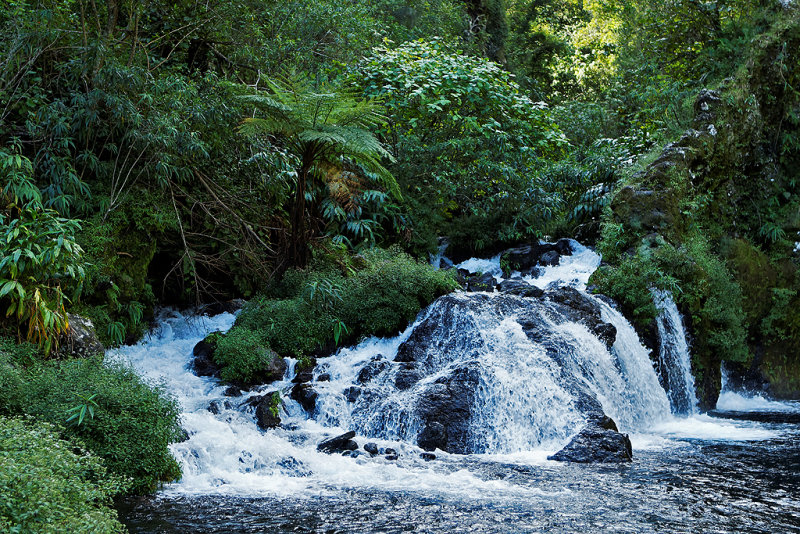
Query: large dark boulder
x=338, y=444
x=481, y=282
x=526, y=258
x=306, y=396
x=598, y=442
x=80, y=340
x=203, y=364
x=580, y=308
x=445, y=407
x=267, y=409
x=520, y=288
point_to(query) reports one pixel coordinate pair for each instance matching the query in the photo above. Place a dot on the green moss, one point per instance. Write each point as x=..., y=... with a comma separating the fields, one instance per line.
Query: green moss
x=245, y=357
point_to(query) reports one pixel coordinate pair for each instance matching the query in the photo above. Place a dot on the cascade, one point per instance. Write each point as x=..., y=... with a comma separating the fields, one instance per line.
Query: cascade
x=490, y=373
x=674, y=360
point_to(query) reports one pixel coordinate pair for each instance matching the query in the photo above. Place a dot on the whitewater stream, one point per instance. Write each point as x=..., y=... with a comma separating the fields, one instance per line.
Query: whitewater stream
x=736, y=469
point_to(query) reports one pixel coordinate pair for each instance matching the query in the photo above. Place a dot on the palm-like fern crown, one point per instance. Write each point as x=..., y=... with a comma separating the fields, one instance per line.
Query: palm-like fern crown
x=322, y=126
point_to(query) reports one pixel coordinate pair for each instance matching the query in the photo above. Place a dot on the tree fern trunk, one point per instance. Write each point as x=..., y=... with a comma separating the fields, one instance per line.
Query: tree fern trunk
x=299, y=241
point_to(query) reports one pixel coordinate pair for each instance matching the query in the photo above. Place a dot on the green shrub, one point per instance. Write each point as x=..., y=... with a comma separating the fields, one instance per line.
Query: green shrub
x=133, y=422
x=245, y=357
x=338, y=300
x=51, y=486
x=132, y=425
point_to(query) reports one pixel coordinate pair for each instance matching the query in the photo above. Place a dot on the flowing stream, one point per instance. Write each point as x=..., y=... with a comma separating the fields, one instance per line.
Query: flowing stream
x=531, y=370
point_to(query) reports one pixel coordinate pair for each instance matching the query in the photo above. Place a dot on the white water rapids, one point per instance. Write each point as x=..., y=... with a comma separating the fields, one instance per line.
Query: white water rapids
x=522, y=413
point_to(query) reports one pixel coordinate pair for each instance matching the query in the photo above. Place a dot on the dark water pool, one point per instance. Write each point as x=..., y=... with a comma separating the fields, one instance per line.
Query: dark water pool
x=685, y=486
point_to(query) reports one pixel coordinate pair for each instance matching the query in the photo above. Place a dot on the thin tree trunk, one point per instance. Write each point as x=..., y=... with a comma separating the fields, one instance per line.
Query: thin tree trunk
x=299, y=246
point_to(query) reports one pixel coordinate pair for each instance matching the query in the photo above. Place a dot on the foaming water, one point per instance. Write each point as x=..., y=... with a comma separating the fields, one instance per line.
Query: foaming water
x=707, y=428
x=226, y=453
x=573, y=270
x=483, y=266
x=731, y=401
x=744, y=401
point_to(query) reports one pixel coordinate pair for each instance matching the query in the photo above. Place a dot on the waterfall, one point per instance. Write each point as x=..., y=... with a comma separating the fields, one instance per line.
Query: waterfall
x=489, y=373
x=674, y=360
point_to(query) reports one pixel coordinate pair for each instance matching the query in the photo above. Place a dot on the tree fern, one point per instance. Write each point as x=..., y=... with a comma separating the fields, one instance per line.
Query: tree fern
x=325, y=130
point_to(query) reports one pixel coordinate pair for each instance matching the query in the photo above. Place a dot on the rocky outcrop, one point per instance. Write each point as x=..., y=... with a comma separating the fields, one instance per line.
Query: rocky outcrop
x=80, y=341
x=445, y=406
x=306, y=396
x=479, y=281
x=598, y=442
x=519, y=287
x=267, y=409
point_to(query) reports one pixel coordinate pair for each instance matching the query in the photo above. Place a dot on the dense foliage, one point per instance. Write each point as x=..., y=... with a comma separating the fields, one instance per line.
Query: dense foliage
x=50, y=485
x=470, y=147
x=129, y=426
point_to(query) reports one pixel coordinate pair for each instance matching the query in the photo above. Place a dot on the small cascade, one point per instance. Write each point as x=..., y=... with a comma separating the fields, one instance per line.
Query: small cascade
x=503, y=373
x=439, y=260
x=731, y=400
x=674, y=360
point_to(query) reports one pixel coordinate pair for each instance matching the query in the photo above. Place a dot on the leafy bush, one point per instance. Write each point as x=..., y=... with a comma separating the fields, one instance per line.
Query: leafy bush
x=698, y=279
x=38, y=256
x=50, y=485
x=132, y=424
x=379, y=293
x=468, y=143
x=245, y=356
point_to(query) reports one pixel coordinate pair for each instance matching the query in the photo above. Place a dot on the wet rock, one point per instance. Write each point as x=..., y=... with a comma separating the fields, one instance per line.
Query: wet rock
x=581, y=308
x=432, y=437
x=339, y=443
x=427, y=456
x=390, y=451
x=306, y=396
x=371, y=448
x=520, y=288
x=183, y=436
x=598, y=442
x=267, y=410
x=352, y=393
x=304, y=370
x=526, y=258
x=445, y=408
x=324, y=377
x=80, y=341
x=375, y=367
x=607, y=333
x=232, y=391
x=203, y=364
x=275, y=370
x=391, y=457
x=550, y=258
x=215, y=407
x=406, y=378
x=482, y=282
